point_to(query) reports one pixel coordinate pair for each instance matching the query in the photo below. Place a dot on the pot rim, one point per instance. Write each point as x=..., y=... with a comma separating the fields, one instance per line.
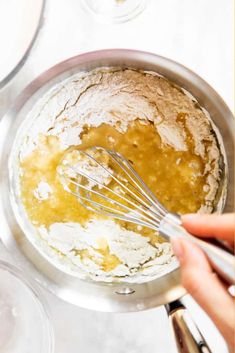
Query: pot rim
x=107, y=294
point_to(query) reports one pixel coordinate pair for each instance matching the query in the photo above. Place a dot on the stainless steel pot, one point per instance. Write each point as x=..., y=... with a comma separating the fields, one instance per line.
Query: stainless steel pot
x=101, y=296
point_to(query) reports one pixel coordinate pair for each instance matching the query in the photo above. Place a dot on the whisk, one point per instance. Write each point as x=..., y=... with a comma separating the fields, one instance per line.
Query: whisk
x=105, y=182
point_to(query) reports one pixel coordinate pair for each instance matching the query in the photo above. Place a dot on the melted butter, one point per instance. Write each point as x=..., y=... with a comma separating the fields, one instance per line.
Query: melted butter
x=41, y=166
x=176, y=178
x=110, y=261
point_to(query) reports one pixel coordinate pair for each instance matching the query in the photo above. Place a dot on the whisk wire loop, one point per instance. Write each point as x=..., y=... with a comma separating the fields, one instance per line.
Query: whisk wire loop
x=130, y=199
x=130, y=211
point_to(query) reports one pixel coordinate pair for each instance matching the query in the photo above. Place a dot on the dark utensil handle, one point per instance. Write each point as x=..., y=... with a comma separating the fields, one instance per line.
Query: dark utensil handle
x=188, y=337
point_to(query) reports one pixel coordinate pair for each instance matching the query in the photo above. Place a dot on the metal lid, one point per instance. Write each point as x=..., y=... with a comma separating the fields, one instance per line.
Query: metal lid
x=20, y=21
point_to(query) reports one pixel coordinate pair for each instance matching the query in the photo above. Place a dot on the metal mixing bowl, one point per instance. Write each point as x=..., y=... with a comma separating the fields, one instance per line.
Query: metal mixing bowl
x=93, y=295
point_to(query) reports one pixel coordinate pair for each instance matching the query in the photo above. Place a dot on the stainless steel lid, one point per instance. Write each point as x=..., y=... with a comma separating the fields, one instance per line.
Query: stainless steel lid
x=20, y=21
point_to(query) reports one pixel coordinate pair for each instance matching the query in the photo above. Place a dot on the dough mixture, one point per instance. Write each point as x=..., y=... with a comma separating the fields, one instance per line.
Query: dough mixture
x=154, y=124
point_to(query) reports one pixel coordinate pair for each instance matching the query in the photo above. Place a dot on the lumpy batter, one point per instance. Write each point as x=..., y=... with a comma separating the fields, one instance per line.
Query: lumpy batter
x=176, y=178
x=173, y=150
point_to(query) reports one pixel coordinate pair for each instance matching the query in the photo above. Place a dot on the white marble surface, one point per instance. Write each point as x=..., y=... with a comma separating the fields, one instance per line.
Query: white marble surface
x=197, y=33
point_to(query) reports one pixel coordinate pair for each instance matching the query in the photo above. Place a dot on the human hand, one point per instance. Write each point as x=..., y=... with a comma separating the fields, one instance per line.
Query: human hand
x=197, y=275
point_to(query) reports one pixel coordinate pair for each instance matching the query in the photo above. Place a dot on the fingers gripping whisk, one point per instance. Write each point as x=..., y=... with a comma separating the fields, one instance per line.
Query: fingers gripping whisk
x=105, y=182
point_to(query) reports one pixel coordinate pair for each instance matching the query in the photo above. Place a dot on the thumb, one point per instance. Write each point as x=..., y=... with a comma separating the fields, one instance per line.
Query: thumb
x=199, y=280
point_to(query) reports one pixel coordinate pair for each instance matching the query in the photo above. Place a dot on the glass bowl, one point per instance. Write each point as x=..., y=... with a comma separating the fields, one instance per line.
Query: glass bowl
x=114, y=11
x=27, y=326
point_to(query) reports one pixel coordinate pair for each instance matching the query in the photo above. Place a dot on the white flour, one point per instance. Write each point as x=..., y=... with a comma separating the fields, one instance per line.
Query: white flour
x=43, y=191
x=131, y=248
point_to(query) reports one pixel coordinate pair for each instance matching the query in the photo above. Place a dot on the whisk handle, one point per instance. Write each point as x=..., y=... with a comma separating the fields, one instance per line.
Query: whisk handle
x=221, y=260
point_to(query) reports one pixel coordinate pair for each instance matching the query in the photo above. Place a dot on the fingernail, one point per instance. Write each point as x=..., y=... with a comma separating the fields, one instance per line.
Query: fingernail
x=177, y=248
x=190, y=217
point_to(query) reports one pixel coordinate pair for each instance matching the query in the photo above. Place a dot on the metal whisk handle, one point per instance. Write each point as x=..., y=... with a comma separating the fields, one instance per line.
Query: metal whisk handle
x=221, y=260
